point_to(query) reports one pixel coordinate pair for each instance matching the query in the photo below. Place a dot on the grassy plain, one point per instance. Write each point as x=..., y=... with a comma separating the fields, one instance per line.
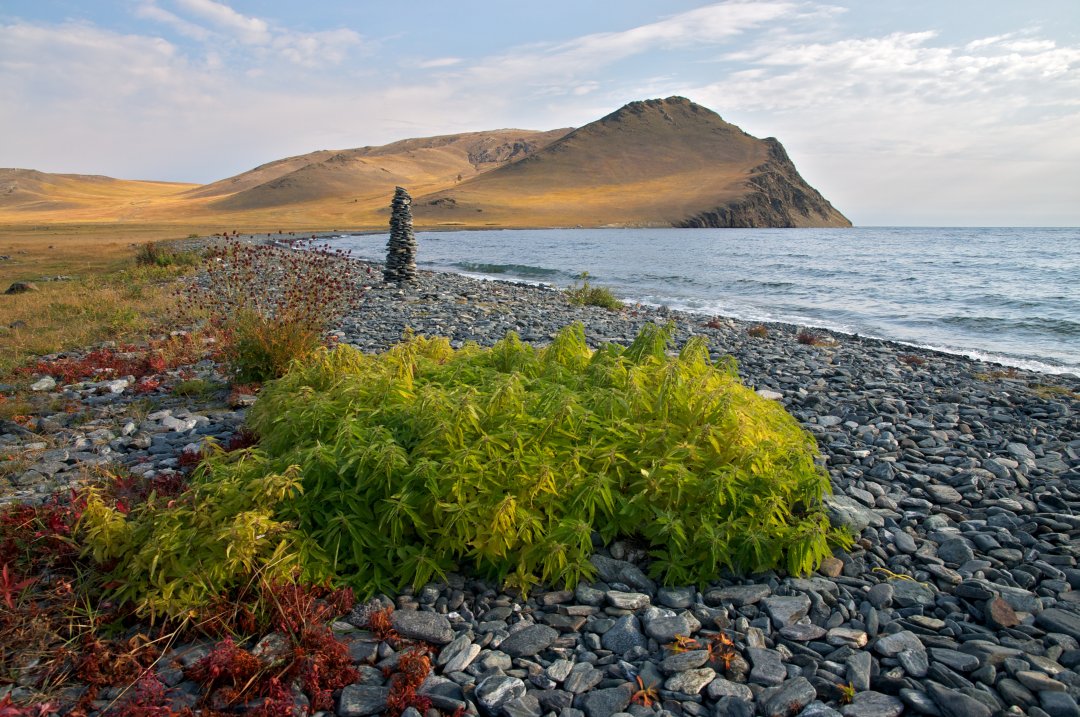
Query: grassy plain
x=101, y=293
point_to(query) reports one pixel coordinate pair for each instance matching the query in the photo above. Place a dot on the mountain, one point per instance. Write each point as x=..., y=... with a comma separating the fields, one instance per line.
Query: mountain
x=664, y=162
x=658, y=162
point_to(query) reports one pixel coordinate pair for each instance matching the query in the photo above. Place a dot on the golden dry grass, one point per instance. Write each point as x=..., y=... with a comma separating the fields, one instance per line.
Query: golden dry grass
x=107, y=296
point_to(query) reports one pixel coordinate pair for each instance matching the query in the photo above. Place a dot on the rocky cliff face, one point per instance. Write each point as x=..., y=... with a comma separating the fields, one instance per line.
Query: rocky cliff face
x=777, y=197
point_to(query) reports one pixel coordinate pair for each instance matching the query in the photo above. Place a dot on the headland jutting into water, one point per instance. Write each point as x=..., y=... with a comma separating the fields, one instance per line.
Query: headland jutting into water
x=961, y=479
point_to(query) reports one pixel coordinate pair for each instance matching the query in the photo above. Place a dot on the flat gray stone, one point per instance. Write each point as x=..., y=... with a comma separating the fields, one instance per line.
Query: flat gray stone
x=495, y=691
x=791, y=697
x=840, y=636
x=737, y=595
x=1061, y=621
x=848, y=513
x=785, y=610
x=606, y=702
x=620, y=571
x=627, y=601
x=720, y=688
x=665, y=629
x=529, y=641
x=802, y=632
x=526, y=706
x=873, y=704
x=908, y=593
x=682, y=661
x=892, y=645
x=953, y=659
x=422, y=625
x=915, y=662
x=690, y=682
x=767, y=669
x=582, y=677
x=943, y=494
x=956, y=704
x=678, y=598
x=1059, y=704
x=559, y=669
x=362, y=700
x=624, y=635
x=956, y=551
x=859, y=665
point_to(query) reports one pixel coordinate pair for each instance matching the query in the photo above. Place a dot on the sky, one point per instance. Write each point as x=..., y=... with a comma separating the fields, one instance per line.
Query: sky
x=901, y=112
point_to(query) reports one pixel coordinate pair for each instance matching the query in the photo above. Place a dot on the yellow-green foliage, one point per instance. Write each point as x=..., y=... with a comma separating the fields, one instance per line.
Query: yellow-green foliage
x=388, y=469
x=177, y=555
x=509, y=458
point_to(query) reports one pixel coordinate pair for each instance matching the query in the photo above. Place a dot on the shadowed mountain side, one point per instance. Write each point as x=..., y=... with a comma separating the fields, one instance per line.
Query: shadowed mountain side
x=369, y=174
x=658, y=162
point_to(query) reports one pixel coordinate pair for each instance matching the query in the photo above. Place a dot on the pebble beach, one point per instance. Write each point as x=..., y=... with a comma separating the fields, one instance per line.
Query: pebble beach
x=961, y=480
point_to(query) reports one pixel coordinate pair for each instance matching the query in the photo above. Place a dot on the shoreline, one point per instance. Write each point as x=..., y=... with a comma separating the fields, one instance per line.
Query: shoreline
x=955, y=473
x=905, y=331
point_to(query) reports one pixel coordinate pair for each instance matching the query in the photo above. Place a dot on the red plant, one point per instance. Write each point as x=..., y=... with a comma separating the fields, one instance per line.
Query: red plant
x=413, y=667
x=644, y=696
x=149, y=698
x=228, y=666
x=244, y=438
x=188, y=460
x=147, y=384
x=11, y=587
x=379, y=623
x=315, y=658
x=10, y=709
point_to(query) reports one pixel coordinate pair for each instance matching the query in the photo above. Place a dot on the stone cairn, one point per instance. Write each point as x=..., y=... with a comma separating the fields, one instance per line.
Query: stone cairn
x=401, y=249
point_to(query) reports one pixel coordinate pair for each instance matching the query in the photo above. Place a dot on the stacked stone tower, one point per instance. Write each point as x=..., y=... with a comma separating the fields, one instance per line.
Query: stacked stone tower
x=401, y=249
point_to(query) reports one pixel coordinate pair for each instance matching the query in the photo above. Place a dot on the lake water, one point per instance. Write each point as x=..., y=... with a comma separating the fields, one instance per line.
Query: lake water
x=1008, y=295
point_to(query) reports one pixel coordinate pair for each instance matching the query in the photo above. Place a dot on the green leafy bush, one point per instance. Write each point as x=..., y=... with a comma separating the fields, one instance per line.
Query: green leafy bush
x=173, y=556
x=509, y=458
x=586, y=294
x=388, y=469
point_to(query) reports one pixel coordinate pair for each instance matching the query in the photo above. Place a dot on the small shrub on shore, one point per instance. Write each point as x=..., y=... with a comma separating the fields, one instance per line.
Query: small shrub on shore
x=586, y=294
x=810, y=338
x=273, y=304
x=759, y=331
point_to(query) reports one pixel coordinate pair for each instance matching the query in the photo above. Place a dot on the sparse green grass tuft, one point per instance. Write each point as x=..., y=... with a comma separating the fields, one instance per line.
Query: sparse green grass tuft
x=586, y=294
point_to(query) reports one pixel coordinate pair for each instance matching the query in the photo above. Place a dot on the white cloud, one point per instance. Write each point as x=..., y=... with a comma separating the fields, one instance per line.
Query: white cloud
x=439, y=62
x=247, y=29
x=253, y=40
x=149, y=10
x=901, y=121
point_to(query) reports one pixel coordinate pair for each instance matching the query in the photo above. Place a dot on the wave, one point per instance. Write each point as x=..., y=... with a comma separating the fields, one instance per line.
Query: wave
x=993, y=324
x=515, y=269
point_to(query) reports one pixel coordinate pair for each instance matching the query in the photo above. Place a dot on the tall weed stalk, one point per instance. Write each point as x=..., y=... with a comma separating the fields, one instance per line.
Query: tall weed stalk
x=273, y=303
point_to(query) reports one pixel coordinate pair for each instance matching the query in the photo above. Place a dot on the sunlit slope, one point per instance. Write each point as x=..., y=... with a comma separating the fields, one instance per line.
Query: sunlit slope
x=658, y=162
x=369, y=174
x=28, y=195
